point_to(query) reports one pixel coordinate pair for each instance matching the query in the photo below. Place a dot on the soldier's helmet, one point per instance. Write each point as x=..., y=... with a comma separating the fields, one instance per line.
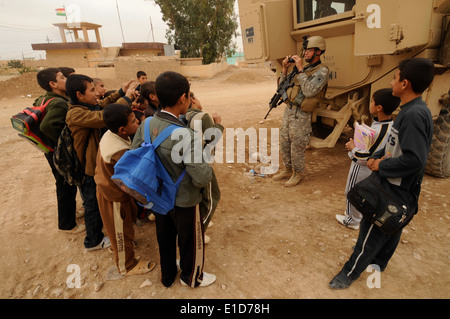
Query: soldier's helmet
x=316, y=42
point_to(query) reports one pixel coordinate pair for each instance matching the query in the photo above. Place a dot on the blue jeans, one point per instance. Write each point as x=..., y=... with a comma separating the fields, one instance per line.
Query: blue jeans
x=92, y=218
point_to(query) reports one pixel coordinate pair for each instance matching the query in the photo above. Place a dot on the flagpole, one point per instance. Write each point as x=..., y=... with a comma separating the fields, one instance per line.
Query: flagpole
x=65, y=15
x=120, y=22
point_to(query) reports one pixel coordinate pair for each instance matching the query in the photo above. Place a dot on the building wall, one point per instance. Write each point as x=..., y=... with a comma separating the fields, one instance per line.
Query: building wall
x=75, y=58
x=146, y=52
x=127, y=67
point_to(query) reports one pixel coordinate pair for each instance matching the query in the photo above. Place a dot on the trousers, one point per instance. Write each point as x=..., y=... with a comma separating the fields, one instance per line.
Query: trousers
x=92, y=218
x=66, y=198
x=295, y=134
x=186, y=223
x=356, y=174
x=118, y=219
x=372, y=247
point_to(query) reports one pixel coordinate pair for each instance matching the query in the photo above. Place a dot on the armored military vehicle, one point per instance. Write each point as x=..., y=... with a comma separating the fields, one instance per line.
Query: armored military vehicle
x=365, y=41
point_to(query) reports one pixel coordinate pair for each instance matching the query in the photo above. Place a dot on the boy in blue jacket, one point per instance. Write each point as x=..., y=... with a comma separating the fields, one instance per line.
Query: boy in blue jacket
x=402, y=162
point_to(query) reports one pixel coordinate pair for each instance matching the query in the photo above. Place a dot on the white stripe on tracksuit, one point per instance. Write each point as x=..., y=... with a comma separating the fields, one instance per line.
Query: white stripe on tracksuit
x=362, y=250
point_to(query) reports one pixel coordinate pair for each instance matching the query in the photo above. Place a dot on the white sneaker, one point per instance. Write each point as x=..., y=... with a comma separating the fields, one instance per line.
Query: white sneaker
x=105, y=243
x=208, y=279
x=345, y=220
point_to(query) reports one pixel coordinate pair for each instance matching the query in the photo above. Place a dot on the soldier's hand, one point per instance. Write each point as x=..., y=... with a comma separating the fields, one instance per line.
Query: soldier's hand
x=298, y=62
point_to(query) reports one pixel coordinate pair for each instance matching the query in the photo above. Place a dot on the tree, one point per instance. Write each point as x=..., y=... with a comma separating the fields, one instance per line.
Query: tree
x=200, y=28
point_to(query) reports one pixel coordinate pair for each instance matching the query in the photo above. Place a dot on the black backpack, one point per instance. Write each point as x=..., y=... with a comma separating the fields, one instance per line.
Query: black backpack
x=66, y=160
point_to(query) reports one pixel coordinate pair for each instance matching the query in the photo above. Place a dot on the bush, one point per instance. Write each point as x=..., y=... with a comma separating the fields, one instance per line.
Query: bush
x=17, y=64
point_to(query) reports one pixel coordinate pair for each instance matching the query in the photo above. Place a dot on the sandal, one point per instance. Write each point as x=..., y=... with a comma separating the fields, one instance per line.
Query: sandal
x=142, y=267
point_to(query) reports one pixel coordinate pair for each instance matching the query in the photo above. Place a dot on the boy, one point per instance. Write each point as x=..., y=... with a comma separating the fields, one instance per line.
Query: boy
x=125, y=95
x=67, y=71
x=141, y=78
x=149, y=93
x=85, y=120
x=53, y=81
x=211, y=192
x=184, y=220
x=117, y=209
x=382, y=105
x=402, y=162
x=100, y=87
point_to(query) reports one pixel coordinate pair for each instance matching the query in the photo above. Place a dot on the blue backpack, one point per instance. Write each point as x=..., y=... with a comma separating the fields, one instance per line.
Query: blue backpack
x=140, y=174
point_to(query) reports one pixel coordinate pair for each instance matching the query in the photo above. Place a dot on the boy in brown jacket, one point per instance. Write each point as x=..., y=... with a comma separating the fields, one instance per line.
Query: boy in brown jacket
x=85, y=120
x=118, y=210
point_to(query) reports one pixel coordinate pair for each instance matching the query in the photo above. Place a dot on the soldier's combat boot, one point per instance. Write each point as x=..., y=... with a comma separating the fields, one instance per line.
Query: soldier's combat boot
x=282, y=174
x=294, y=180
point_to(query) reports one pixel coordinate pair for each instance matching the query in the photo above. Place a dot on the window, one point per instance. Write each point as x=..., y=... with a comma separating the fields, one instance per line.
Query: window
x=308, y=10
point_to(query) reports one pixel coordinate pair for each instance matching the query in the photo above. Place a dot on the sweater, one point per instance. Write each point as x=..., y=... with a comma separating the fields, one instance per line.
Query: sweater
x=198, y=174
x=408, y=145
x=55, y=115
x=111, y=149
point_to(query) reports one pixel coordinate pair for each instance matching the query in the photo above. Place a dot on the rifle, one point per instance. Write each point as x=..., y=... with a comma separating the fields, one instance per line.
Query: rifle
x=286, y=84
x=281, y=95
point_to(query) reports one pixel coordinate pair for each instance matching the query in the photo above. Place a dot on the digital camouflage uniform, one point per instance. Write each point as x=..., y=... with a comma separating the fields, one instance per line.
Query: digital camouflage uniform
x=296, y=125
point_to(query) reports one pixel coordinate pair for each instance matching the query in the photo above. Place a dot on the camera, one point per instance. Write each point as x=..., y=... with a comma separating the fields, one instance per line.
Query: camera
x=291, y=60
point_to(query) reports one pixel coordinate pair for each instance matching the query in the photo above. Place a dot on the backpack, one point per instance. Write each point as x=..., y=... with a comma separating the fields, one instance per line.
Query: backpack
x=140, y=174
x=27, y=122
x=66, y=160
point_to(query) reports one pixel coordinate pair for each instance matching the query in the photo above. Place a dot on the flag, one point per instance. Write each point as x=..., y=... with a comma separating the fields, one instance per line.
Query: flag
x=61, y=12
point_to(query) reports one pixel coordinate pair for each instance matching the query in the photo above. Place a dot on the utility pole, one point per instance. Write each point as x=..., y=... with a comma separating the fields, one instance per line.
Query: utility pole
x=120, y=22
x=151, y=25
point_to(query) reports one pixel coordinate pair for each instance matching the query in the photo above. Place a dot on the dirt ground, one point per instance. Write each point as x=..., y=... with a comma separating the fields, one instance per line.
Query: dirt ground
x=267, y=241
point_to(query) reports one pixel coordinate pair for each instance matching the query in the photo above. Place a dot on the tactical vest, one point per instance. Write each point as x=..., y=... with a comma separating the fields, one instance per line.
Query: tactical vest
x=296, y=96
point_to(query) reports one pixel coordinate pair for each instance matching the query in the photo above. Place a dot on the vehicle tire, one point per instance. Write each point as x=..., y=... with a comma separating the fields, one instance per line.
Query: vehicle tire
x=439, y=158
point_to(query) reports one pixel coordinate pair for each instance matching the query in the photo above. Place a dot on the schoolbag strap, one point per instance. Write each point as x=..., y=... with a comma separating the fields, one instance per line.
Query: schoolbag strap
x=44, y=104
x=180, y=177
x=160, y=138
x=147, y=130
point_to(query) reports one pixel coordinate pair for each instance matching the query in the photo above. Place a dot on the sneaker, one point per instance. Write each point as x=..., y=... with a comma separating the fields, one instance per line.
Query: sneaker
x=345, y=220
x=208, y=279
x=105, y=243
x=76, y=230
x=340, y=281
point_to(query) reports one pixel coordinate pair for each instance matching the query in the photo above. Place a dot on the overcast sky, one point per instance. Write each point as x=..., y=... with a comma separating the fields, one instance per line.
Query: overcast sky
x=23, y=22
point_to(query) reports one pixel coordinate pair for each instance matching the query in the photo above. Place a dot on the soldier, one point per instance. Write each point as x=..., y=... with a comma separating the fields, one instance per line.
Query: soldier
x=309, y=87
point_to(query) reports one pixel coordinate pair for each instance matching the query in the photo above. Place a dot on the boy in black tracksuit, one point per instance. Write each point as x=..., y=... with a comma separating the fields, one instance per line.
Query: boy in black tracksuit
x=402, y=162
x=53, y=81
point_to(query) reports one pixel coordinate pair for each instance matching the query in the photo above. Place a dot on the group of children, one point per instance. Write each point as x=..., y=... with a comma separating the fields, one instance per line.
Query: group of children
x=104, y=125
x=399, y=152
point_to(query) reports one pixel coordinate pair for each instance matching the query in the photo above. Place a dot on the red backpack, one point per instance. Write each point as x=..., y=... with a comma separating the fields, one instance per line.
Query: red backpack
x=27, y=122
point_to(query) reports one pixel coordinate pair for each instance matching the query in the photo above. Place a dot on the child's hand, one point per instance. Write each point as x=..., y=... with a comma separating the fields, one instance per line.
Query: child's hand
x=126, y=85
x=216, y=118
x=350, y=145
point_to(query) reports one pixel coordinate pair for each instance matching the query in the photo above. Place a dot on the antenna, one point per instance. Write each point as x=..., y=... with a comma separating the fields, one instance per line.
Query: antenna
x=120, y=22
x=151, y=25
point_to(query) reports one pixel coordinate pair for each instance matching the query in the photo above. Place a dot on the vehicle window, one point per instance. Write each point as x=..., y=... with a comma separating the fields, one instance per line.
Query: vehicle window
x=308, y=10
